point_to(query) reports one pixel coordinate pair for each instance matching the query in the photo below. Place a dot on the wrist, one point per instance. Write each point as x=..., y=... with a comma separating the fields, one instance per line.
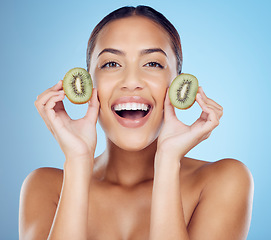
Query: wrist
x=164, y=154
x=79, y=163
x=85, y=157
x=78, y=152
x=167, y=161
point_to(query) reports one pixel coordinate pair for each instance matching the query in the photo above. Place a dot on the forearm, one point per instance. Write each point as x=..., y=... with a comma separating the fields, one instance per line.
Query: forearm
x=167, y=217
x=71, y=216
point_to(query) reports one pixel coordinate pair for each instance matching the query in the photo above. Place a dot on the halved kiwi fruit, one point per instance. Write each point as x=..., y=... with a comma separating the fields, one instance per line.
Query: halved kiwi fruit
x=77, y=85
x=183, y=91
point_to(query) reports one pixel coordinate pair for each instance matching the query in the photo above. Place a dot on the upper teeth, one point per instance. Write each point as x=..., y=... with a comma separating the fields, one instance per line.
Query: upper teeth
x=131, y=106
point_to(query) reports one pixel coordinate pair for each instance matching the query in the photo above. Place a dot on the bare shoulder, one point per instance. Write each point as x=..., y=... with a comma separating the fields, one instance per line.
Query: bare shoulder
x=42, y=184
x=224, y=171
x=225, y=200
x=231, y=179
x=229, y=171
x=43, y=178
x=38, y=201
x=44, y=172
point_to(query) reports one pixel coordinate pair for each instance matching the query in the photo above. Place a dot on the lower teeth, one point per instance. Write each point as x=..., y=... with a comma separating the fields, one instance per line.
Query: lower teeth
x=131, y=114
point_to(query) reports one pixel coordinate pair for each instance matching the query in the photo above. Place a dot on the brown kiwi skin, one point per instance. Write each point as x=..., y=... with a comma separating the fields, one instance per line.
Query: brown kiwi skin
x=78, y=103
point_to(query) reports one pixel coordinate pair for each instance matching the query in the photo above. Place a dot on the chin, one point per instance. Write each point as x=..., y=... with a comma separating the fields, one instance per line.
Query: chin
x=133, y=143
x=131, y=139
x=132, y=123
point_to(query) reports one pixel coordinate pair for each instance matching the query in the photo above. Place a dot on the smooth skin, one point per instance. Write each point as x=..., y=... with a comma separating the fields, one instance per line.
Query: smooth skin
x=142, y=187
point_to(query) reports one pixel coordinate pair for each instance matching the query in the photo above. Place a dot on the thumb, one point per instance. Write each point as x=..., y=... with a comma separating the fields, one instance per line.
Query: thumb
x=169, y=110
x=93, y=107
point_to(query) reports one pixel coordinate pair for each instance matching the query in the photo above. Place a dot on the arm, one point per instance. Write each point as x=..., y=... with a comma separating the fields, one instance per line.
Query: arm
x=42, y=214
x=225, y=206
x=175, y=140
x=71, y=217
x=167, y=216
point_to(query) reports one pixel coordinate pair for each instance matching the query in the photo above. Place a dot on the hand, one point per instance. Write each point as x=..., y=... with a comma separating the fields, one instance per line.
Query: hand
x=177, y=138
x=77, y=138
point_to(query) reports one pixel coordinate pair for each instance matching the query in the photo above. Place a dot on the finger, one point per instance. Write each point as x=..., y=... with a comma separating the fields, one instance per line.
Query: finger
x=59, y=107
x=44, y=114
x=93, y=107
x=206, y=107
x=56, y=87
x=203, y=116
x=169, y=110
x=209, y=100
x=201, y=98
x=50, y=105
x=43, y=97
x=42, y=101
x=211, y=117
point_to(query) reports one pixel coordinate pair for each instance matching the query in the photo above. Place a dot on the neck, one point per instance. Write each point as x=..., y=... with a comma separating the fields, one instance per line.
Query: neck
x=128, y=168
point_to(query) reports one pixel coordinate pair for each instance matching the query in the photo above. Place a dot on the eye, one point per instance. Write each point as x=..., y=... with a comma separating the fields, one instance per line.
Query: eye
x=110, y=64
x=154, y=65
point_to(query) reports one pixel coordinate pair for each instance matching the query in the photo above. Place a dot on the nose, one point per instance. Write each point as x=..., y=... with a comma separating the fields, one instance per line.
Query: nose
x=131, y=80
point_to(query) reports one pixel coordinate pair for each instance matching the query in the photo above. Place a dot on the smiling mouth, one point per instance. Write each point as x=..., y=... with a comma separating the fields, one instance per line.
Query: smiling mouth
x=132, y=111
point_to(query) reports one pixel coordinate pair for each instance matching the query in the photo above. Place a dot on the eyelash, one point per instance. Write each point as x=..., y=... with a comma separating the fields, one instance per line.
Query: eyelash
x=109, y=65
x=154, y=65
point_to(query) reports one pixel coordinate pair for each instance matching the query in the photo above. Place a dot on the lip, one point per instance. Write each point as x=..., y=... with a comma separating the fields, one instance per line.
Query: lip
x=129, y=123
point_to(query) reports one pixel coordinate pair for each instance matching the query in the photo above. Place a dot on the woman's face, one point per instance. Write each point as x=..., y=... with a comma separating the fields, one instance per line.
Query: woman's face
x=131, y=66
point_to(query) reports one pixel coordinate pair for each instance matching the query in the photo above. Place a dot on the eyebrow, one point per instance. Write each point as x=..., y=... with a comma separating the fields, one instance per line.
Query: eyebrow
x=121, y=53
x=111, y=50
x=152, y=50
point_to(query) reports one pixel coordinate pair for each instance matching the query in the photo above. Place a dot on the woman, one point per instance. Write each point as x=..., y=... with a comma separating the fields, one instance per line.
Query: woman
x=142, y=186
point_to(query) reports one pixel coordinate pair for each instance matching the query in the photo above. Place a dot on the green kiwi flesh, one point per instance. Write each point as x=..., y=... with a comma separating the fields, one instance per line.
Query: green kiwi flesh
x=77, y=85
x=183, y=91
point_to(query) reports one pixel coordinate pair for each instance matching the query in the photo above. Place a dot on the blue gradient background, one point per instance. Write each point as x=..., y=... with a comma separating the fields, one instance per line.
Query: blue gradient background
x=225, y=44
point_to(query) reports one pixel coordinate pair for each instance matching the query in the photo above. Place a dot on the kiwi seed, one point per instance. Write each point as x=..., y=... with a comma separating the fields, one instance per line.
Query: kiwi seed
x=183, y=91
x=77, y=85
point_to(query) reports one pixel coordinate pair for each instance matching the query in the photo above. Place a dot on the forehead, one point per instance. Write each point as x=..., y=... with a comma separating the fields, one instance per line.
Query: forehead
x=133, y=32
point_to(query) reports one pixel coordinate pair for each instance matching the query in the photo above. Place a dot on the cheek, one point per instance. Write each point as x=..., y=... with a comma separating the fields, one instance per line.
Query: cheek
x=104, y=87
x=158, y=90
x=155, y=85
